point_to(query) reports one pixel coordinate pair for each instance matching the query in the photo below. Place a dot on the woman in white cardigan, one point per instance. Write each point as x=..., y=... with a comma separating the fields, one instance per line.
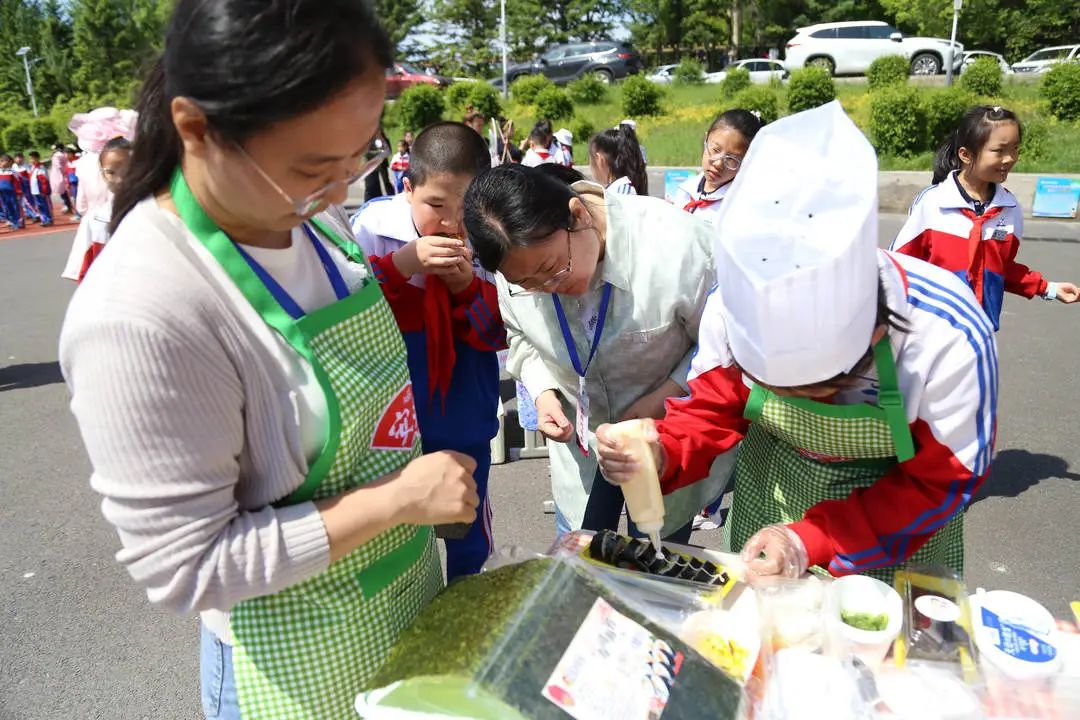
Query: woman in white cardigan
x=580, y=268
x=237, y=376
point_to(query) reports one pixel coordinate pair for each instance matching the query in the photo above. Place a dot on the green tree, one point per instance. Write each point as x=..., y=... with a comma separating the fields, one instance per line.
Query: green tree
x=19, y=21
x=114, y=40
x=468, y=30
x=532, y=25
x=56, y=72
x=399, y=17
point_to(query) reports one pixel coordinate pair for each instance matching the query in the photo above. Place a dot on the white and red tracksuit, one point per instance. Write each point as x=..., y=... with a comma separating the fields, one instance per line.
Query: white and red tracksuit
x=947, y=369
x=979, y=244
x=691, y=197
x=452, y=341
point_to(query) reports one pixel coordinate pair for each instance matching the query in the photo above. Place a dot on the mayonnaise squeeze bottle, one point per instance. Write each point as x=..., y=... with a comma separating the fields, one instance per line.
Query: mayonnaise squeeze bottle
x=644, y=501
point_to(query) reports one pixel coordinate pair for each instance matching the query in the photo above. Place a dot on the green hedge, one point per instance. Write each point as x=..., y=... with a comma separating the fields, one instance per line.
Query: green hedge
x=457, y=95
x=641, y=96
x=18, y=137
x=897, y=124
x=809, y=88
x=735, y=81
x=1061, y=89
x=419, y=106
x=888, y=70
x=525, y=89
x=689, y=72
x=484, y=98
x=554, y=104
x=588, y=90
x=941, y=109
x=982, y=77
x=761, y=98
x=583, y=130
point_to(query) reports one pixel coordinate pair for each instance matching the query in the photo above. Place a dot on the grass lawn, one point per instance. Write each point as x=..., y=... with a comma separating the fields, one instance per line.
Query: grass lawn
x=674, y=138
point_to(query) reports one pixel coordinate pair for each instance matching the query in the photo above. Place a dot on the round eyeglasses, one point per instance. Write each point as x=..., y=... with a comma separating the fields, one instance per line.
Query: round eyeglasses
x=714, y=156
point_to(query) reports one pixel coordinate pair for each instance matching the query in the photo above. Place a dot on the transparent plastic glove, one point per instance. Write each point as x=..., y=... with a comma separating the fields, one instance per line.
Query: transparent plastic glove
x=775, y=550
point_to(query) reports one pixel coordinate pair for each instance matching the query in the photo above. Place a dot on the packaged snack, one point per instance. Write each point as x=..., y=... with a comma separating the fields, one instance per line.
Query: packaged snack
x=937, y=619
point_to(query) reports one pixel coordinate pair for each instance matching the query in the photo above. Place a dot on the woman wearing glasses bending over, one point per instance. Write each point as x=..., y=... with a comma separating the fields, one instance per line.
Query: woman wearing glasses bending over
x=601, y=294
x=724, y=147
x=238, y=378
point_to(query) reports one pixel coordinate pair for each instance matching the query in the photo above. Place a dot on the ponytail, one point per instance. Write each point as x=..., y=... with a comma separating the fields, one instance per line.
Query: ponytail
x=156, y=151
x=621, y=148
x=946, y=159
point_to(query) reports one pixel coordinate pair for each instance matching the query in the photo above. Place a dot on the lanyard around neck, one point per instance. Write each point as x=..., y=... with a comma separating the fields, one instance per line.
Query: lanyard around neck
x=571, y=346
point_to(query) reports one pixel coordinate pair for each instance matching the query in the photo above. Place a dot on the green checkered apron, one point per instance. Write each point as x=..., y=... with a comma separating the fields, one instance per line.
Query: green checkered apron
x=788, y=461
x=306, y=652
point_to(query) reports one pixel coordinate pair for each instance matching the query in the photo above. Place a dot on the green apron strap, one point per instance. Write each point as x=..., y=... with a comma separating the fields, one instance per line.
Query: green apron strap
x=891, y=401
x=755, y=403
x=228, y=256
x=349, y=247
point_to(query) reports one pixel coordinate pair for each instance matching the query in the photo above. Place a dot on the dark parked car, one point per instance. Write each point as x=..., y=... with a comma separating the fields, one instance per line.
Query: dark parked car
x=605, y=60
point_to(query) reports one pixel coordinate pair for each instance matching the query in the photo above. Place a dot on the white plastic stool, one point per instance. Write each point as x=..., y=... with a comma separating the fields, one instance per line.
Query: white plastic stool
x=535, y=445
x=498, y=443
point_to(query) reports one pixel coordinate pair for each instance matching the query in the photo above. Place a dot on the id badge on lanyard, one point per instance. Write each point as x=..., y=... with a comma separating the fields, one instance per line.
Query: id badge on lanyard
x=581, y=423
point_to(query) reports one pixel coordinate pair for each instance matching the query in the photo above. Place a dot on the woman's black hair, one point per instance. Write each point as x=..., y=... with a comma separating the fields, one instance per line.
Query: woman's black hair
x=742, y=121
x=247, y=64
x=620, y=146
x=972, y=133
x=513, y=205
x=541, y=132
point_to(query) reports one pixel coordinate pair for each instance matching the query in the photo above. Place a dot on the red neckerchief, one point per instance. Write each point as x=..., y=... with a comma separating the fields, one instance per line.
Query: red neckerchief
x=976, y=248
x=701, y=202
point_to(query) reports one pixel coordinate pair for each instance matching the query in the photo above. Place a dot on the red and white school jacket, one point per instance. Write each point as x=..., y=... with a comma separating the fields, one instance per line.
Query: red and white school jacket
x=947, y=369
x=691, y=197
x=944, y=229
x=452, y=340
x=400, y=162
x=39, y=181
x=535, y=157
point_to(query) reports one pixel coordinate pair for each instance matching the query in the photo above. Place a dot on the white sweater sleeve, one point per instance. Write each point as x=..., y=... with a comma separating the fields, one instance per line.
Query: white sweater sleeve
x=161, y=412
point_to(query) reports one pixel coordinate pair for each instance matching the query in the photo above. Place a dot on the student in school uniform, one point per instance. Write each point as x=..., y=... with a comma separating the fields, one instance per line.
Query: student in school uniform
x=399, y=165
x=601, y=318
x=93, y=232
x=22, y=169
x=616, y=162
x=447, y=309
x=540, y=142
x=726, y=143
x=969, y=224
x=564, y=143
x=9, y=193
x=41, y=190
x=859, y=385
x=73, y=178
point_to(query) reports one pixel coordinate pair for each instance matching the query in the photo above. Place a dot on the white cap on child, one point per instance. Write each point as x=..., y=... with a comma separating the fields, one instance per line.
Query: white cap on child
x=797, y=258
x=564, y=136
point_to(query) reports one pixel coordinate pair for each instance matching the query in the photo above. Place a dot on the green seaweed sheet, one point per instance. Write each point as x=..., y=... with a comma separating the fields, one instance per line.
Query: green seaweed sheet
x=507, y=629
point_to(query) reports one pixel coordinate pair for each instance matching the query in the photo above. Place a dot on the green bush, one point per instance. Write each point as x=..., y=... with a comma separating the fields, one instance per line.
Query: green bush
x=525, y=89
x=1061, y=89
x=419, y=106
x=18, y=137
x=1035, y=137
x=43, y=132
x=760, y=98
x=888, y=70
x=941, y=110
x=5, y=121
x=588, y=90
x=457, y=95
x=735, y=81
x=982, y=77
x=554, y=104
x=641, y=96
x=484, y=98
x=810, y=87
x=583, y=131
x=689, y=72
x=897, y=124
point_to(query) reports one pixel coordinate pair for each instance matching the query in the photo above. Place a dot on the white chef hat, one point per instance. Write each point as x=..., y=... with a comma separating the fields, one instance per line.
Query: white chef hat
x=564, y=136
x=797, y=250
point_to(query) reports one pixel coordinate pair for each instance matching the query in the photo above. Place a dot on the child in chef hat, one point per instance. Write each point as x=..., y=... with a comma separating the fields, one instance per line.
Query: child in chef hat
x=860, y=385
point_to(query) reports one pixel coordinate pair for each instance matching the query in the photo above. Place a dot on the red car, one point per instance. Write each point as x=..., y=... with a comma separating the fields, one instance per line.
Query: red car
x=400, y=76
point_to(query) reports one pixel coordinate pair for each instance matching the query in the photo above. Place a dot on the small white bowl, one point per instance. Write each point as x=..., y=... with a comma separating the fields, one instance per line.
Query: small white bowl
x=862, y=594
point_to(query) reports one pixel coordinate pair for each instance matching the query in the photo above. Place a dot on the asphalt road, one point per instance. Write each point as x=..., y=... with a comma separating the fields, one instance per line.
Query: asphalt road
x=79, y=640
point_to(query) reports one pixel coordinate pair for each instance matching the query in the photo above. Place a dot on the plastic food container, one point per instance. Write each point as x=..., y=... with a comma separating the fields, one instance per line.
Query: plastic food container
x=1016, y=634
x=864, y=596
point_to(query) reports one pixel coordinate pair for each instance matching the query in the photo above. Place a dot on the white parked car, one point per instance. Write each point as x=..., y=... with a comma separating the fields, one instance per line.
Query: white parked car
x=663, y=75
x=1041, y=60
x=970, y=56
x=848, y=48
x=761, y=71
